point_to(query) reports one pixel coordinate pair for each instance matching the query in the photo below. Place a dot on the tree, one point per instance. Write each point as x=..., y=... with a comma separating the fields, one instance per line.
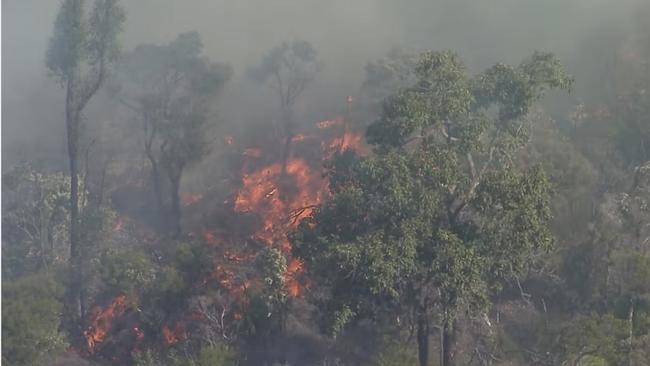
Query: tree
x=173, y=86
x=79, y=55
x=287, y=69
x=441, y=214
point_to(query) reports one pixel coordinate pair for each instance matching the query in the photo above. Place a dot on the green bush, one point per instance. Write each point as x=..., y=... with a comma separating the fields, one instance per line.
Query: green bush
x=31, y=312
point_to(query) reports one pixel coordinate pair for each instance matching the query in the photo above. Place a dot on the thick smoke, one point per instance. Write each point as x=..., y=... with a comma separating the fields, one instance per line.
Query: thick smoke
x=347, y=34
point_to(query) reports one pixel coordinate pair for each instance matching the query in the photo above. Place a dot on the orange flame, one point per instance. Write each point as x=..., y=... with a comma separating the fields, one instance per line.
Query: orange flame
x=172, y=335
x=102, y=321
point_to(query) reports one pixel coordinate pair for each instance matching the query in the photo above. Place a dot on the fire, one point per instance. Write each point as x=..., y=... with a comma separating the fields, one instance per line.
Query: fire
x=347, y=141
x=280, y=211
x=102, y=321
x=294, y=269
x=174, y=334
x=209, y=237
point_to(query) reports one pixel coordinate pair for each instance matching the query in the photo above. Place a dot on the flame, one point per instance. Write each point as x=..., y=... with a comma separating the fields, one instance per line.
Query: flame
x=280, y=211
x=209, y=237
x=174, y=334
x=294, y=269
x=349, y=140
x=229, y=140
x=102, y=320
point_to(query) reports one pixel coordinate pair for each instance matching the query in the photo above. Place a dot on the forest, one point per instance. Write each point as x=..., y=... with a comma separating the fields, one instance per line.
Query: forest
x=444, y=183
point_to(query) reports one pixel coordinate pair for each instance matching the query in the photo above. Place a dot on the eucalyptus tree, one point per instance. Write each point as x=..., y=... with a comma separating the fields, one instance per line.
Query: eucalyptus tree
x=83, y=46
x=171, y=88
x=287, y=69
x=441, y=213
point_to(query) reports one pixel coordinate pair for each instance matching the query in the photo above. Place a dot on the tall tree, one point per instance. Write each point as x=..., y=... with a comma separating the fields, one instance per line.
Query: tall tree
x=441, y=214
x=172, y=87
x=288, y=69
x=80, y=53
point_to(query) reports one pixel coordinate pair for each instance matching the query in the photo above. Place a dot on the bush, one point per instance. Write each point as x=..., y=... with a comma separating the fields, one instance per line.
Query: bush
x=31, y=310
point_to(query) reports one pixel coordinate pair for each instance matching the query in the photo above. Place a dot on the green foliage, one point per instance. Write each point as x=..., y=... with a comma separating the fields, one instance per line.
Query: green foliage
x=215, y=356
x=218, y=355
x=77, y=40
x=34, y=219
x=440, y=214
x=272, y=266
x=596, y=337
x=126, y=271
x=396, y=355
x=31, y=314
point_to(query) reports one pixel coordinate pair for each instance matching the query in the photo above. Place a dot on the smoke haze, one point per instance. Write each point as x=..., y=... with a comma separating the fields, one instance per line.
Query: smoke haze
x=347, y=34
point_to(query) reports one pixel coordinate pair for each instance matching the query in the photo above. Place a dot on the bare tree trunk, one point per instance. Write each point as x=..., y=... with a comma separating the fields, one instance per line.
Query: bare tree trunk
x=423, y=339
x=75, y=304
x=175, y=180
x=631, y=331
x=448, y=344
x=286, y=153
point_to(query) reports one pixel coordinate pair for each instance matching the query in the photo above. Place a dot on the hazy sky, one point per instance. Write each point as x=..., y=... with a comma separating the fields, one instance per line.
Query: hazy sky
x=347, y=34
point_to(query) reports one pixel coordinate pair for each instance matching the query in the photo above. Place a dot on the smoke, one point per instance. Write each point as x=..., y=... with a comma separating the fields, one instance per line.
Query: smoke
x=347, y=34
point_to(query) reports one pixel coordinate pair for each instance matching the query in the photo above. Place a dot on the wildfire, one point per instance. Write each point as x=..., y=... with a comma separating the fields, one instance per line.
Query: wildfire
x=102, y=320
x=280, y=211
x=347, y=141
x=294, y=269
x=171, y=335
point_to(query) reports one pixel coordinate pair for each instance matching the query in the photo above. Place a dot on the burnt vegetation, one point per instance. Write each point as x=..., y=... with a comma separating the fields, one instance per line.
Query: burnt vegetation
x=440, y=213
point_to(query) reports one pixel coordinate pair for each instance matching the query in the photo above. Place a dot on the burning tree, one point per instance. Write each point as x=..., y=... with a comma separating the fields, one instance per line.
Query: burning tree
x=287, y=69
x=440, y=214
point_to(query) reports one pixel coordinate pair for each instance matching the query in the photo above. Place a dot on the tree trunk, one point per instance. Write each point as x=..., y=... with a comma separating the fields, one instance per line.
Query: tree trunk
x=157, y=189
x=630, y=320
x=448, y=344
x=75, y=304
x=423, y=339
x=175, y=180
x=286, y=153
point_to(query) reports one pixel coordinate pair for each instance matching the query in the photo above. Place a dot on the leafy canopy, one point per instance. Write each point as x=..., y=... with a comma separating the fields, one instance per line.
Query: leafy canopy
x=440, y=213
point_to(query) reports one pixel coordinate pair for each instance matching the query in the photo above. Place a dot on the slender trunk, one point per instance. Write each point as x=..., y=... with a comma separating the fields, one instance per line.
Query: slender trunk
x=157, y=189
x=175, y=180
x=448, y=344
x=75, y=303
x=423, y=339
x=286, y=153
x=630, y=332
